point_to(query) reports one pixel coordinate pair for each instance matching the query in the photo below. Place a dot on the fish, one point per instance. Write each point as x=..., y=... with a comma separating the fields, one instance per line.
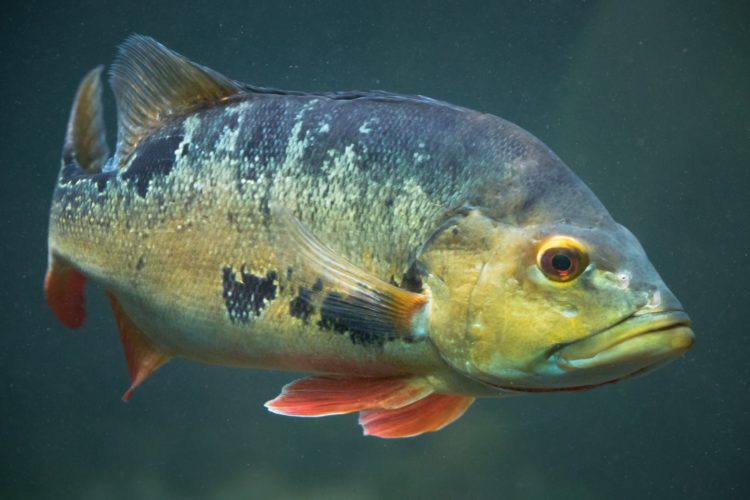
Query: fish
x=406, y=254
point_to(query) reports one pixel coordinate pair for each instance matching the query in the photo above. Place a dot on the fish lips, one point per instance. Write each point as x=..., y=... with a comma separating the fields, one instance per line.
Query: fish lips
x=638, y=342
x=641, y=342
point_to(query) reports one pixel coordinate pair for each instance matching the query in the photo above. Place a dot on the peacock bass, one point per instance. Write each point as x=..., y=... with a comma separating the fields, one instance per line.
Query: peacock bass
x=409, y=254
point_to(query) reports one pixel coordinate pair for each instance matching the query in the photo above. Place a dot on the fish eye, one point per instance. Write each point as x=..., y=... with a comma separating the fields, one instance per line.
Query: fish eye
x=562, y=258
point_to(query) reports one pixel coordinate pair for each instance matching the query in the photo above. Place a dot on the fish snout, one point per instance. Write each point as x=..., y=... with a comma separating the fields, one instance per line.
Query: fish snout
x=651, y=337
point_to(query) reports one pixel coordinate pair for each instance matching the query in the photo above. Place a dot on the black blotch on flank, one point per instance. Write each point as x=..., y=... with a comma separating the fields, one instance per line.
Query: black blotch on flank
x=301, y=306
x=140, y=264
x=337, y=314
x=249, y=296
x=154, y=158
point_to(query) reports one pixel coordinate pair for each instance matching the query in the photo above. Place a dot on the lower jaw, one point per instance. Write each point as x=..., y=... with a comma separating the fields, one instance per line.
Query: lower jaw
x=573, y=388
x=626, y=352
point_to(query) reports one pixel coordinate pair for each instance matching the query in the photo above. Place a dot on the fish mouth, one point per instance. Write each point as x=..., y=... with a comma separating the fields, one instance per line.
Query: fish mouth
x=639, y=338
x=635, y=345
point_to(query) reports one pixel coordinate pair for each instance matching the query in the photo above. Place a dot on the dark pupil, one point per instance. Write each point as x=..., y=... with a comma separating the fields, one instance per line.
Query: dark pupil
x=561, y=262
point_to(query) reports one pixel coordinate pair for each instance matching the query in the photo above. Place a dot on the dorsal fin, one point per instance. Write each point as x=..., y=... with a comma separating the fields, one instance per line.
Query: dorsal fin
x=85, y=137
x=152, y=83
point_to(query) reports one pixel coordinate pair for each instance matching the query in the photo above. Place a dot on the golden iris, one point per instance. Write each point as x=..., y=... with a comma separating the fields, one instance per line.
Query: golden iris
x=562, y=258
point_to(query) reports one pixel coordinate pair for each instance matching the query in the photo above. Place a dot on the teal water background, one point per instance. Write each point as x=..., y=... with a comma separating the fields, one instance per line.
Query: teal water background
x=649, y=102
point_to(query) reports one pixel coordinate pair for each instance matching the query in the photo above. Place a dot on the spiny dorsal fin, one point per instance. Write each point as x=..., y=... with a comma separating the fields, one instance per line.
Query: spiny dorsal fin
x=85, y=136
x=152, y=83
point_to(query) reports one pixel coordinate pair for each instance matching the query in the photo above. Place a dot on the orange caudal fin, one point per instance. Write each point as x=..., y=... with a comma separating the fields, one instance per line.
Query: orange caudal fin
x=142, y=356
x=426, y=415
x=63, y=288
x=321, y=396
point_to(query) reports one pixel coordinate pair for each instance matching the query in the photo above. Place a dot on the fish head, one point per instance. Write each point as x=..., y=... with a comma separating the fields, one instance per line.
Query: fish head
x=551, y=306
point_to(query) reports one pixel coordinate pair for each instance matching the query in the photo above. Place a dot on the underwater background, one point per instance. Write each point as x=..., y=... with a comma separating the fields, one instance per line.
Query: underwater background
x=647, y=101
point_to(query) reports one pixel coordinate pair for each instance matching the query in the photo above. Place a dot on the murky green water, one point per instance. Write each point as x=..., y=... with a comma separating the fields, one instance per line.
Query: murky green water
x=647, y=101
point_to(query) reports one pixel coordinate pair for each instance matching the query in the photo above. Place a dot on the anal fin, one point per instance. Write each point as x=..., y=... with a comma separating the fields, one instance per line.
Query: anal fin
x=142, y=356
x=63, y=289
x=426, y=415
x=321, y=396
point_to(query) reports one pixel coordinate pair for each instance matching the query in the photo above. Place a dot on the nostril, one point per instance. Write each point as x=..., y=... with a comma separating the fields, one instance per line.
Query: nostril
x=654, y=302
x=623, y=279
x=655, y=299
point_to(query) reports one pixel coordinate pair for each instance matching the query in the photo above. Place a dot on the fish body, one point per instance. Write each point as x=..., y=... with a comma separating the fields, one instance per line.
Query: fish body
x=389, y=244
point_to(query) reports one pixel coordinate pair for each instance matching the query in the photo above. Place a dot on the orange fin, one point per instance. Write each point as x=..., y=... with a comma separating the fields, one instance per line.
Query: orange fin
x=142, y=356
x=426, y=415
x=63, y=288
x=321, y=396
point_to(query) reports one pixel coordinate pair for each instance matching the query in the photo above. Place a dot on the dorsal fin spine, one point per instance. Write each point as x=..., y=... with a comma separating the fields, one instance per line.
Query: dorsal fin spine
x=152, y=83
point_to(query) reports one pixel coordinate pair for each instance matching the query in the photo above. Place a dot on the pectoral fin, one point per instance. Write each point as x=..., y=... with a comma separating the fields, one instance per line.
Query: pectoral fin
x=351, y=298
x=142, y=356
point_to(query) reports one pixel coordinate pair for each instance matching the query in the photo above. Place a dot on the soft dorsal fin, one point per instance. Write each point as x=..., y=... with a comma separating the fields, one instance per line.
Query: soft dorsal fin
x=85, y=137
x=152, y=83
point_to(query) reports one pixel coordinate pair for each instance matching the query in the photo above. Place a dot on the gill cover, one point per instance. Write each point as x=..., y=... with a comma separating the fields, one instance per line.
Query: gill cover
x=507, y=298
